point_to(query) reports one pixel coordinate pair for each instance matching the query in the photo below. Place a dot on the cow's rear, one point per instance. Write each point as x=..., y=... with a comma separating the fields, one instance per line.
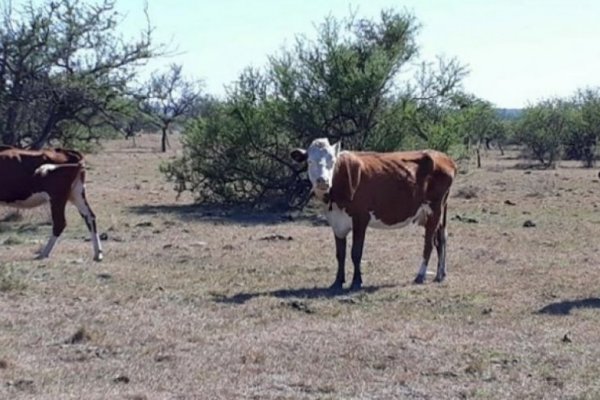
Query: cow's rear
x=437, y=189
x=31, y=178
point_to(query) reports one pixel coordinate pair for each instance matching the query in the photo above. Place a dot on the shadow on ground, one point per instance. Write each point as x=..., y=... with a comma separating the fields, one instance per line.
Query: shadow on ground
x=304, y=293
x=565, y=307
x=221, y=215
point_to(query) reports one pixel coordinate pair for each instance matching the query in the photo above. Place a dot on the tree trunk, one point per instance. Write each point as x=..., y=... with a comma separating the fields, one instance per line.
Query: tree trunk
x=487, y=144
x=478, y=151
x=42, y=140
x=164, y=140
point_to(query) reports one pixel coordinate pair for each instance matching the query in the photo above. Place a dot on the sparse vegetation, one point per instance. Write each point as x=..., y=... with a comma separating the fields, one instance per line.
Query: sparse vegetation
x=192, y=302
x=196, y=300
x=9, y=281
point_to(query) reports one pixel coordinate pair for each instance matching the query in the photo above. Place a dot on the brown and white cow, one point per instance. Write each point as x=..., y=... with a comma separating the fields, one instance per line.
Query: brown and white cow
x=381, y=190
x=30, y=178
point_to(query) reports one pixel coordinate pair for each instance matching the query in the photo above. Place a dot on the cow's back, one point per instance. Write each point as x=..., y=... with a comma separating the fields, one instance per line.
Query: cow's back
x=393, y=186
x=18, y=167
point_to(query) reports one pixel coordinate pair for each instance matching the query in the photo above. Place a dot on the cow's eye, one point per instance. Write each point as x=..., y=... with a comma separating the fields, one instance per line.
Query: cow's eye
x=310, y=162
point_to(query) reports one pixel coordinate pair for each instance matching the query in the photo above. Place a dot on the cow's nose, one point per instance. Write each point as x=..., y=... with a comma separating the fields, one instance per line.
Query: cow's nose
x=322, y=184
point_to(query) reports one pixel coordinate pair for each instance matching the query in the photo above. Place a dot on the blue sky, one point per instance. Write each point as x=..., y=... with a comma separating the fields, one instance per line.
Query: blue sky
x=517, y=51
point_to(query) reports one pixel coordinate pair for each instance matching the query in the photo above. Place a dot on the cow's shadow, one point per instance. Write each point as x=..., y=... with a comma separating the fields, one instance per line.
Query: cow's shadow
x=564, y=307
x=231, y=216
x=302, y=293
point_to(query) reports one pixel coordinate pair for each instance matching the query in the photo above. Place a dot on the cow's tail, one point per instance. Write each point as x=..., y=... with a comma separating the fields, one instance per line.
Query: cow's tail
x=426, y=166
x=444, y=211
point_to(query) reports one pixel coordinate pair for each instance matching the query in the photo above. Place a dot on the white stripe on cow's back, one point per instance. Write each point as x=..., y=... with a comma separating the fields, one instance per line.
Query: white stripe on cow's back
x=35, y=200
x=43, y=169
x=420, y=217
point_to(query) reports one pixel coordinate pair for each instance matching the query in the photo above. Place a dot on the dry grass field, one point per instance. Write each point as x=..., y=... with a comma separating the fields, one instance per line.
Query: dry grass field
x=190, y=304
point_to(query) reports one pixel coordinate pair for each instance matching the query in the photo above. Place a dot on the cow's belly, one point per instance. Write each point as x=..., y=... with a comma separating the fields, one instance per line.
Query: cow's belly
x=341, y=222
x=34, y=200
x=420, y=217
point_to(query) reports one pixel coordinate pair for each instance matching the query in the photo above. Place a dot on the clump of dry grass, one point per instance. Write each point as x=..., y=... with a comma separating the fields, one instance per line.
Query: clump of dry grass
x=12, y=216
x=136, y=397
x=8, y=279
x=12, y=241
x=80, y=336
x=466, y=192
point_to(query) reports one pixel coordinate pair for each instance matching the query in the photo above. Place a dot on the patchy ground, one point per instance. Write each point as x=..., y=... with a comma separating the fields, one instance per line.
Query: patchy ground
x=188, y=305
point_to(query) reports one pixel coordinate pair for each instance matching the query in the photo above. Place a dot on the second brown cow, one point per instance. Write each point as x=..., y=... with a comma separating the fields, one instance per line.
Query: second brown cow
x=30, y=178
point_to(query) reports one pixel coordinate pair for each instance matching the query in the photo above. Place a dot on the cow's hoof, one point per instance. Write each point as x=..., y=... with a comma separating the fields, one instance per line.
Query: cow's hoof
x=439, y=278
x=420, y=279
x=98, y=257
x=336, y=287
x=356, y=286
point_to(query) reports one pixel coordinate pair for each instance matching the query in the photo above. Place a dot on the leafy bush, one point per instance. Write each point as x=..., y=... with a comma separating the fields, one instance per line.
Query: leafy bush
x=582, y=140
x=542, y=129
x=342, y=86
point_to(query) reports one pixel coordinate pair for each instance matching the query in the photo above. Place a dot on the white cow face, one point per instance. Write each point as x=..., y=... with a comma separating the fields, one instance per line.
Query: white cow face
x=320, y=157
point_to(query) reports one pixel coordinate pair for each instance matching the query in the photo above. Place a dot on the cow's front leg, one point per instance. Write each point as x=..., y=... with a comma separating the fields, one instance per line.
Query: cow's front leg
x=359, y=228
x=340, y=255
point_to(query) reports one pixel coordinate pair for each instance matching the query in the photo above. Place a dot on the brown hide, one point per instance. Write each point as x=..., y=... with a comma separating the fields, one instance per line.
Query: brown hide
x=390, y=185
x=18, y=179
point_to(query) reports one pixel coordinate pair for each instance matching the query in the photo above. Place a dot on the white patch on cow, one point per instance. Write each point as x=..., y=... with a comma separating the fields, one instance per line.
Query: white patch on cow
x=420, y=216
x=35, y=200
x=339, y=220
x=44, y=169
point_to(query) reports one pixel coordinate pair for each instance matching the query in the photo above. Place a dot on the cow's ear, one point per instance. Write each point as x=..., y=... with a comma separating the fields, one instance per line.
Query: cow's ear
x=299, y=155
x=345, y=179
x=337, y=148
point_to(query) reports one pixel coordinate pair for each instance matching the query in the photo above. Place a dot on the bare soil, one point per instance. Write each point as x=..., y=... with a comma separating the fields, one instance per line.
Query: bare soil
x=190, y=304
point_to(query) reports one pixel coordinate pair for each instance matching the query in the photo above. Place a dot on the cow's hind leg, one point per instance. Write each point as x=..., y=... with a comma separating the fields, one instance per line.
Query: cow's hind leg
x=59, y=222
x=431, y=228
x=441, y=238
x=359, y=230
x=77, y=197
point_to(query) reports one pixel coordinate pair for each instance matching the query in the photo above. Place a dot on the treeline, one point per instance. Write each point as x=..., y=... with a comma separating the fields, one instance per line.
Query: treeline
x=66, y=78
x=359, y=81
x=561, y=129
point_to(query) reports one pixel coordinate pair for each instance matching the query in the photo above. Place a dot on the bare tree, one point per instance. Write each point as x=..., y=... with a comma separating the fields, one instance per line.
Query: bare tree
x=171, y=98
